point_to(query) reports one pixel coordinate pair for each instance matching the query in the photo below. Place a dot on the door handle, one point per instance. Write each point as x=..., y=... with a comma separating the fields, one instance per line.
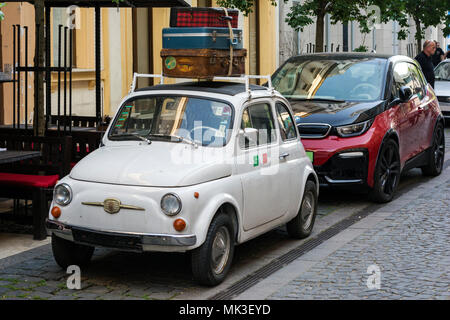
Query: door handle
x=284, y=155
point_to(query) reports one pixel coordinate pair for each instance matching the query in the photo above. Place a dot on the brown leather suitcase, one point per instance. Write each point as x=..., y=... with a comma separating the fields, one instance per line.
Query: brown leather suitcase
x=202, y=63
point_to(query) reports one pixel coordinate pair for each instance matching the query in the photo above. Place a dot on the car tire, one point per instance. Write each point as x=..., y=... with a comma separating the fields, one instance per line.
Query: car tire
x=68, y=253
x=212, y=260
x=302, y=225
x=387, y=173
x=437, y=153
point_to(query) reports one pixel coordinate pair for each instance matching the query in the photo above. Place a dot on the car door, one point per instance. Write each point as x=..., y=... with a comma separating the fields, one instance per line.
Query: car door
x=289, y=156
x=424, y=112
x=257, y=166
x=404, y=114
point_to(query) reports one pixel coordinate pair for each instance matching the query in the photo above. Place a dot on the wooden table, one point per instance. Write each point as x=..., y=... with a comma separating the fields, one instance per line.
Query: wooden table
x=10, y=156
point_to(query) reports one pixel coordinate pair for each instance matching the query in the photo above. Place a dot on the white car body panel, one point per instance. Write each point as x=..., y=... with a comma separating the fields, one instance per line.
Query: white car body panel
x=140, y=174
x=442, y=89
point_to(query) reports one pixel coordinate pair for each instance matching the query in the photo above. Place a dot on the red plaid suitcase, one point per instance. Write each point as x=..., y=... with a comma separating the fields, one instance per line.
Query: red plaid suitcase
x=202, y=17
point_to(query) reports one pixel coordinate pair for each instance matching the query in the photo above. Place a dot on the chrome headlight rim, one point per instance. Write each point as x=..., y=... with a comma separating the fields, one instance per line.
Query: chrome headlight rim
x=166, y=212
x=68, y=188
x=365, y=126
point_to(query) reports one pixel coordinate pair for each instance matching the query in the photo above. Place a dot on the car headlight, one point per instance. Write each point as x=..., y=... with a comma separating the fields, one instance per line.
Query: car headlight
x=354, y=129
x=62, y=194
x=171, y=204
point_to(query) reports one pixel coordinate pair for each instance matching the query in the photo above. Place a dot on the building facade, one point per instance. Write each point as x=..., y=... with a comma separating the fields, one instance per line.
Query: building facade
x=131, y=42
x=338, y=37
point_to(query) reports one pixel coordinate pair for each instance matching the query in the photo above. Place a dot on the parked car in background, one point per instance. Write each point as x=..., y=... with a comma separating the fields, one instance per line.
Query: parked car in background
x=364, y=118
x=194, y=167
x=442, y=87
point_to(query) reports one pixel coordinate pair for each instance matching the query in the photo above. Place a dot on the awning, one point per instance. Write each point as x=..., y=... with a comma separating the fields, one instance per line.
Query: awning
x=110, y=3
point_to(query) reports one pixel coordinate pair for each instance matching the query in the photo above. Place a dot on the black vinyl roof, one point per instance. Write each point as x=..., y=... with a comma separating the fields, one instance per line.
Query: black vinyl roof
x=227, y=88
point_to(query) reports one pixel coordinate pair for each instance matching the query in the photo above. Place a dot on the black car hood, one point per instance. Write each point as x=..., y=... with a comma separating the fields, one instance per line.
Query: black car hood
x=335, y=113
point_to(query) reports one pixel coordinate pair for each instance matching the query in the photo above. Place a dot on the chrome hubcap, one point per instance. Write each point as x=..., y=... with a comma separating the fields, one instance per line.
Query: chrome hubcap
x=220, y=250
x=307, y=210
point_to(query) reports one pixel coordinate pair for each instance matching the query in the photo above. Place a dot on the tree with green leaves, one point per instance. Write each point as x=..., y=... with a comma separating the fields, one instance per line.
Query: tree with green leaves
x=246, y=6
x=303, y=13
x=424, y=13
x=2, y=15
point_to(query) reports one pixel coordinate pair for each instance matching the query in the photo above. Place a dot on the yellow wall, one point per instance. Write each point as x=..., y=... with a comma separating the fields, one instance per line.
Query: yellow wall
x=161, y=19
x=23, y=14
x=126, y=39
x=84, y=40
x=267, y=43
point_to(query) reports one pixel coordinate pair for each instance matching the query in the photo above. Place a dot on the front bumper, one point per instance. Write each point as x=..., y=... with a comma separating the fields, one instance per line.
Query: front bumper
x=344, y=169
x=136, y=242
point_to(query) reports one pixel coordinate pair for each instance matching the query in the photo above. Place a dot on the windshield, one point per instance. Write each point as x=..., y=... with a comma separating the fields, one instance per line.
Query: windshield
x=442, y=71
x=328, y=79
x=173, y=118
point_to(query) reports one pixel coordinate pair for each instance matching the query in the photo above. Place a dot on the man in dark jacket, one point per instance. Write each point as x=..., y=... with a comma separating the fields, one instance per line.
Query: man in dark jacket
x=438, y=55
x=425, y=61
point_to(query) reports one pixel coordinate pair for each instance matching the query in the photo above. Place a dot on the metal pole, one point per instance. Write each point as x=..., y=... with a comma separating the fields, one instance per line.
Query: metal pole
x=48, y=74
x=59, y=76
x=36, y=80
x=97, y=65
x=70, y=77
x=18, y=76
x=14, y=76
x=26, y=78
x=65, y=78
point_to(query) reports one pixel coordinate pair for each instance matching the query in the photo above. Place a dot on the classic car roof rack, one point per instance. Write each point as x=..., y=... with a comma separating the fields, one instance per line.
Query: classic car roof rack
x=227, y=85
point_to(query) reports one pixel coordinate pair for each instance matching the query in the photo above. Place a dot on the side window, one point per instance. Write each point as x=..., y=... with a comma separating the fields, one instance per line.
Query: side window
x=259, y=116
x=418, y=87
x=285, y=122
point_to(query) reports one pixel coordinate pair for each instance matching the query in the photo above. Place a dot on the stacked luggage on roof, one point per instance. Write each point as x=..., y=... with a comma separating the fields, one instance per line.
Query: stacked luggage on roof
x=201, y=42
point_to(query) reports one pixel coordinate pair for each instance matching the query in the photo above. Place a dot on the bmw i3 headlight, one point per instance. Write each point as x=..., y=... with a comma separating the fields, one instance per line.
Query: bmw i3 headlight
x=171, y=204
x=62, y=194
x=354, y=129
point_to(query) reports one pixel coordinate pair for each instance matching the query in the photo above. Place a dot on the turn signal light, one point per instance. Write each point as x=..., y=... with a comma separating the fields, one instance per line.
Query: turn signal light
x=56, y=212
x=179, y=225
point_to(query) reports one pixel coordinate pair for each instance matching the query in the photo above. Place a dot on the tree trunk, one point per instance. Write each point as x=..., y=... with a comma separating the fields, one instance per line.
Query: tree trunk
x=418, y=34
x=320, y=31
x=39, y=117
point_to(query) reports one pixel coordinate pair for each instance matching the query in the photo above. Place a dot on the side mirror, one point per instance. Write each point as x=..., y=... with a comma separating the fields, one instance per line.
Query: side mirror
x=405, y=93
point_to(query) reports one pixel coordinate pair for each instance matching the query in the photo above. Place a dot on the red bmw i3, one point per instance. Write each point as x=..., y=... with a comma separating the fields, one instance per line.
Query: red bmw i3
x=364, y=118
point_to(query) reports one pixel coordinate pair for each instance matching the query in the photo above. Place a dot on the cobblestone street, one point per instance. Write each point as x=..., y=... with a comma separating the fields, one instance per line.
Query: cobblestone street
x=408, y=239
x=410, y=246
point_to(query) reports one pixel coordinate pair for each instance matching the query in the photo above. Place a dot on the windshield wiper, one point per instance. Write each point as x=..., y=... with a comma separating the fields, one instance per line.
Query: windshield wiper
x=180, y=139
x=316, y=99
x=135, y=135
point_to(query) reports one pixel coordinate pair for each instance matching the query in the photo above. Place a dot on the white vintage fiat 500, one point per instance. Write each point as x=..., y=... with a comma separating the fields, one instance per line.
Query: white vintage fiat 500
x=198, y=166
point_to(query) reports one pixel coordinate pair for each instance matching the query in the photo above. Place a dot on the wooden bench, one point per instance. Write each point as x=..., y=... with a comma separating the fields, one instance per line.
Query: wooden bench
x=34, y=179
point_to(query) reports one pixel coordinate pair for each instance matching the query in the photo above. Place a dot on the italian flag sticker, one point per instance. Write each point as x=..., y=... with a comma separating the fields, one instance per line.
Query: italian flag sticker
x=255, y=160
